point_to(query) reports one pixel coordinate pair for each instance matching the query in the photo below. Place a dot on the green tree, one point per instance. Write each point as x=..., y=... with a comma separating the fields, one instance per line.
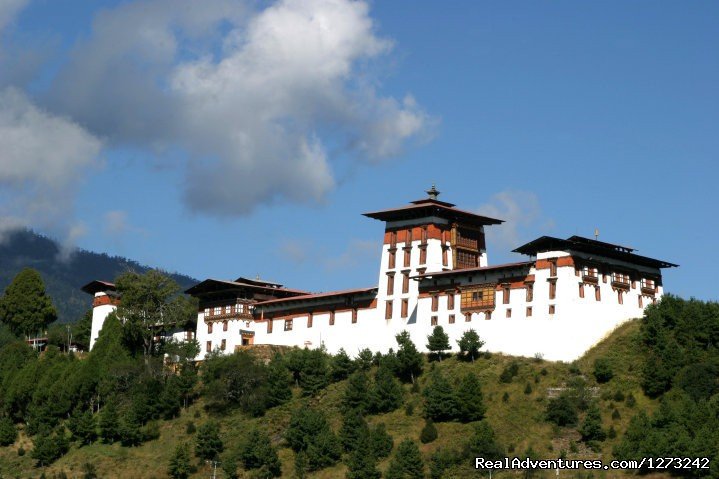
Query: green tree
x=386, y=394
x=83, y=427
x=482, y=443
x=256, y=452
x=342, y=366
x=440, y=402
x=380, y=441
x=324, y=450
x=407, y=462
x=353, y=427
x=357, y=392
x=180, y=466
x=470, y=344
x=409, y=360
x=429, y=432
x=109, y=424
x=364, y=359
x=208, y=444
x=561, y=411
x=25, y=307
x=306, y=423
x=362, y=462
x=438, y=342
x=591, y=428
x=279, y=380
x=49, y=447
x=8, y=432
x=603, y=370
x=470, y=399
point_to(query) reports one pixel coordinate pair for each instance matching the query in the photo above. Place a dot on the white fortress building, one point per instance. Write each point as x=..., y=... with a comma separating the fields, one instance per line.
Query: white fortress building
x=567, y=296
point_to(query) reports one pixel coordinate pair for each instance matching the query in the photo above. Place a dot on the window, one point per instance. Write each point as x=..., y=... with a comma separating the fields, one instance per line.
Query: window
x=530, y=292
x=218, y=310
x=269, y=326
x=450, y=301
x=207, y=312
x=435, y=302
x=529, y=311
x=581, y=290
x=405, y=307
x=209, y=328
x=388, y=310
x=310, y=318
x=487, y=315
x=648, y=285
x=620, y=278
x=354, y=315
x=228, y=309
x=552, y=267
x=451, y=319
x=239, y=308
x=597, y=293
x=208, y=346
x=434, y=321
x=223, y=344
x=393, y=239
x=467, y=317
x=590, y=272
x=390, y=284
x=505, y=294
x=224, y=325
x=466, y=259
x=407, y=257
x=477, y=297
x=424, y=235
x=551, y=309
x=408, y=242
x=332, y=318
x=288, y=324
x=392, y=257
x=405, y=282
x=423, y=254
x=444, y=256
x=620, y=296
x=509, y=313
x=640, y=301
x=552, y=289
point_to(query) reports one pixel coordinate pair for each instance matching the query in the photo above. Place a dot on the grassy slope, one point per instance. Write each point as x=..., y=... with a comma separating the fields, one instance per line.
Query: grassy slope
x=518, y=422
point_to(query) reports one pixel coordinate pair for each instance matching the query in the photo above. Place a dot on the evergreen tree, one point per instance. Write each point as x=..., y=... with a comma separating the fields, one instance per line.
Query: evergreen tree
x=440, y=402
x=409, y=360
x=301, y=465
x=256, y=452
x=229, y=467
x=180, y=466
x=8, y=432
x=381, y=442
x=305, y=424
x=109, y=424
x=438, y=342
x=315, y=373
x=364, y=359
x=429, y=432
x=49, y=447
x=208, y=444
x=469, y=399
x=561, y=411
x=278, y=383
x=603, y=370
x=470, y=344
x=591, y=428
x=342, y=366
x=407, y=462
x=357, y=392
x=386, y=395
x=353, y=427
x=362, y=463
x=25, y=307
x=482, y=443
x=82, y=426
x=81, y=331
x=323, y=450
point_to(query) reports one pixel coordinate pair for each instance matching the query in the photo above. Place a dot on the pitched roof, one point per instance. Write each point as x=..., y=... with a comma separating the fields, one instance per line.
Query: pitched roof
x=318, y=296
x=479, y=269
x=432, y=207
x=97, y=286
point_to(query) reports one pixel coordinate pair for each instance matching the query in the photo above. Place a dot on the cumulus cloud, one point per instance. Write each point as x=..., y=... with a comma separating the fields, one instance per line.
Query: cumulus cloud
x=523, y=216
x=41, y=160
x=262, y=102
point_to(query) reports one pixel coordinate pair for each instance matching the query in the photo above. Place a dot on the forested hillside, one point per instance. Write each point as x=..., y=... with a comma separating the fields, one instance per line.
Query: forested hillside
x=63, y=279
x=650, y=389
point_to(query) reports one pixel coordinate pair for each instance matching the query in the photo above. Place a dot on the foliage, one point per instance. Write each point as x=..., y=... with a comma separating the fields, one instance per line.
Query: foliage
x=440, y=401
x=407, y=462
x=469, y=345
x=362, y=462
x=509, y=372
x=8, y=432
x=279, y=380
x=561, y=411
x=591, y=428
x=235, y=380
x=364, y=359
x=83, y=427
x=109, y=424
x=470, y=402
x=256, y=452
x=409, y=360
x=380, y=441
x=353, y=427
x=603, y=371
x=482, y=443
x=438, y=342
x=342, y=366
x=180, y=466
x=386, y=394
x=310, y=369
x=310, y=432
x=48, y=447
x=429, y=432
x=357, y=392
x=208, y=444
x=25, y=307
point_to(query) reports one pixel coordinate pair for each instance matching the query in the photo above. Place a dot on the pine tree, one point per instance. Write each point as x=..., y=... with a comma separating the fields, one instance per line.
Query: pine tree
x=323, y=450
x=386, y=395
x=429, y=432
x=279, y=380
x=208, y=444
x=561, y=411
x=109, y=424
x=82, y=425
x=256, y=452
x=440, y=402
x=482, y=443
x=180, y=467
x=315, y=373
x=25, y=307
x=469, y=399
x=357, y=392
x=8, y=432
x=342, y=366
x=438, y=342
x=305, y=424
x=409, y=360
x=407, y=462
x=362, y=463
x=470, y=344
x=591, y=428
x=49, y=447
x=380, y=441
x=353, y=427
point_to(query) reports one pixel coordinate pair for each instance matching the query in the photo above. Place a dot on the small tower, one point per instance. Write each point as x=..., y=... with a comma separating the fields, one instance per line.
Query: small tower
x=105, y=301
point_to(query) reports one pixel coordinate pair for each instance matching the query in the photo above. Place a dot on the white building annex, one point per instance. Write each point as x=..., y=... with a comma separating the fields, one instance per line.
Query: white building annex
x=566, y=296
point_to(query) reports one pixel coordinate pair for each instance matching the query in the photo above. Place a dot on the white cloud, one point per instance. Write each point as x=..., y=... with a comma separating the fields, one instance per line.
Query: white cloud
x=358, y=251
x=263, y=102
x=41, y=160
x=523, y=218
x=8, y=10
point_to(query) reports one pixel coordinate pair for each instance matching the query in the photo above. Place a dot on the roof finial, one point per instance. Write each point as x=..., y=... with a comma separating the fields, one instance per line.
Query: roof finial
x=433, y=193
x=596, y=234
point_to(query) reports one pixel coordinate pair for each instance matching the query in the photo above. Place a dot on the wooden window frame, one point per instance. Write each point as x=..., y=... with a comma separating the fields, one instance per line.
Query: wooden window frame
x=223, y=344
x=392, y=259
x=388, y=310
x=270, y=326
x=289, y=324
x=529, y=311
x=405, y=282
x=553, y=268
x=467, y=317
x=581, y=290
x=451, y=319
x=552, y=288
x=450, y=301
x=354, y=315
x=407, y=259
x=434, y=320
x=508, y=313
x=552, y=309
x=505, y=294
x=435, y=302
x=390, y=284
x=597, y=293
x=332, y=318
x=208, y=346
x=529, y=292
x=224, y=325
x=209, y=328
x=405, y=308
x=310, y=320
x=423, y=254
x=477, y=297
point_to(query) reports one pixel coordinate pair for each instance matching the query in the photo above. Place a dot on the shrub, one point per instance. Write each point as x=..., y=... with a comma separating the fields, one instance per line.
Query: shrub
x=429, y=432
x=509, y=372
x=630, y=401
x=615, y=414
x=603, y=370
x=528, y=389
x=561, y=411
x=619, y=396
x=190, y=428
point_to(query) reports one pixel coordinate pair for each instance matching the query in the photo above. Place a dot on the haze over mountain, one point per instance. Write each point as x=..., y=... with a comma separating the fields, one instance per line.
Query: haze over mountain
x=64, y=276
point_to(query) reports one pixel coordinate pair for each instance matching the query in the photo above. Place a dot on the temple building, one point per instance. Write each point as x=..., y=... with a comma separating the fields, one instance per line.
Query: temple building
x=565, y=297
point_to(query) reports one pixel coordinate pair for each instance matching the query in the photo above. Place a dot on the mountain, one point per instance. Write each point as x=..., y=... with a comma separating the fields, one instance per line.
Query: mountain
x=64, y=278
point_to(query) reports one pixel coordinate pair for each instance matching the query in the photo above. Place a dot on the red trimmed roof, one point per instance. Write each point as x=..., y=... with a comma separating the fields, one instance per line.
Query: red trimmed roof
x=310, y=297
x=96, y=286
x=212, y=283
x=431, y=207
x=478, y=269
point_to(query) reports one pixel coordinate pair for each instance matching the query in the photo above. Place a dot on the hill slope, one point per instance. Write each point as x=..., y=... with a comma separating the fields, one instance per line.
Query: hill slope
x=63, y=279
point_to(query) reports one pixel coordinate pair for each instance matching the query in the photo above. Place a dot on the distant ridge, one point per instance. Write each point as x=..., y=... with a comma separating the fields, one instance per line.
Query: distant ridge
x=63, y=279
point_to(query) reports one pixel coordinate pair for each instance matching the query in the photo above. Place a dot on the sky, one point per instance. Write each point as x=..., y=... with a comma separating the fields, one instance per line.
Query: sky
x=229, y=138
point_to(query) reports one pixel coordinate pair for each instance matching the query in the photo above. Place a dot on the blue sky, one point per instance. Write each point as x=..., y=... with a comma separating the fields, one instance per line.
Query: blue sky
x=227, y=138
